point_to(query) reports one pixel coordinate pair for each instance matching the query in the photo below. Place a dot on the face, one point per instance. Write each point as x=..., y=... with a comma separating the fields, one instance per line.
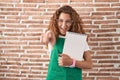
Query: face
x=64, y=23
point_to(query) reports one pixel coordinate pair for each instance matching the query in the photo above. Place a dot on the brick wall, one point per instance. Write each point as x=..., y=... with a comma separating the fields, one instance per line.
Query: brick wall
x=24, y=57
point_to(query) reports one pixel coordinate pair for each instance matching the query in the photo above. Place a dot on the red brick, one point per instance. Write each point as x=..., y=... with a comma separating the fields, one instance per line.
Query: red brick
x=16, y=43
x=106, y=65
x=35, y=43
x=115, y=57
x=118, y=46
x=9, y=47
x=38, y=68
x=9, y=55
x=112, y=17
x=49, y=6
x=99, y=74
x=88, y=22
x=112, y=26
x=58, y=1
x=85, y=9
x=9, y=21
x=81, y=0
x=32, y=47
x=88, y=78
x=104, y=31
x=30, y=56
x=110, y=43
x=97, y=5
x=10, y=63
x=37, y=27
x=9, y=1
x=84, y=13
x=15, y=75
x=15, y=67
x=115, y=4
x=14, y=51
x=17, y=17
x=14, y=35
x=2, y=17
x=35, y=76
x=97, y=17
x=17, y=59
x=109, y=70
x=116, y=74
x=101, y=39
x=6, y=4
x=11, y=9
x=9, y=30
x=102, y=57
x=32, y=64
x=9, y=71
x=106, y=0
x=108, y=52
x=102, y=13
x=33, y=1
x=36, y=51
x=8, y=78
x=110, y=61
x=32, y=21
x=41, y=17
x=26, y=5
x=118, y=13
x=91, y=26
x=93, y=44
x=10, y=13
x=107, y=9
x=3, y=67
x=107, y=78
x=106, y=22
x=103, y=48
x=33, y=10
x=39, y=60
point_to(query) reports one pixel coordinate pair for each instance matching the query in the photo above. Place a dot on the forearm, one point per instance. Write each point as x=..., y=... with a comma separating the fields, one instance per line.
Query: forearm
x=84, y=64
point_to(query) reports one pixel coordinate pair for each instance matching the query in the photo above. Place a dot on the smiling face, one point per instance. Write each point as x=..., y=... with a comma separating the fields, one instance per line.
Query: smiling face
x=64, y=23
x=65, y=19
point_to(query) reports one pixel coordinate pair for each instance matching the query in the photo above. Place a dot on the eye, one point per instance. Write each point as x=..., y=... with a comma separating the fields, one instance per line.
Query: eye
x=69, y=21
x=59, y=20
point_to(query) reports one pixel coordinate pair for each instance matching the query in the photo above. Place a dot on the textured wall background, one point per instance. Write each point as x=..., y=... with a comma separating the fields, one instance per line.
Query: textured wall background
x=24, y=57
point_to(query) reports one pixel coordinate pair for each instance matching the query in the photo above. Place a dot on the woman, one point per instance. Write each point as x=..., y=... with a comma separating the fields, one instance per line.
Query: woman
x=63, y=20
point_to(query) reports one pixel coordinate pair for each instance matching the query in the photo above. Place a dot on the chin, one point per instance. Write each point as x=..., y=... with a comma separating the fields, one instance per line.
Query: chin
x=63, y=34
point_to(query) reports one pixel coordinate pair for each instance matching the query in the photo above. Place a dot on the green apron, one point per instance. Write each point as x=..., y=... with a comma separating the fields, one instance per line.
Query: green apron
x=56, y=72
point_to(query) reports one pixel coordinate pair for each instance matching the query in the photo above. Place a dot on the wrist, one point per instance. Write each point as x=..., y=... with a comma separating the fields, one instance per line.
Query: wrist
x=73, y=63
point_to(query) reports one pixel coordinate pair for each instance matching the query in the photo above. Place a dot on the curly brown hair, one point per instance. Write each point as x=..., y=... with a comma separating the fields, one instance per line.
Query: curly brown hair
x=77, y=25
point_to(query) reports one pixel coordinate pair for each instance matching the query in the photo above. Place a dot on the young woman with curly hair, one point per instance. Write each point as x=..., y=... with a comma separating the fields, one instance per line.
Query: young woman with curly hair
x=63, y=20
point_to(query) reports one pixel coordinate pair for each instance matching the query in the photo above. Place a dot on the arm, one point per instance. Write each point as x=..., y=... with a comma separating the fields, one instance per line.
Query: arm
x=65, y=60
x=48, y=37
x=87, y=63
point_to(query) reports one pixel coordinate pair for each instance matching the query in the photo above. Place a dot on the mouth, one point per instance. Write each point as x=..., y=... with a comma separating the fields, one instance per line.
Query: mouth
x=63, y=31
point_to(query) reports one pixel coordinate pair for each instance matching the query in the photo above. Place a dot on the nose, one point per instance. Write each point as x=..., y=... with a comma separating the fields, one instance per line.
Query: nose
x=64, y=25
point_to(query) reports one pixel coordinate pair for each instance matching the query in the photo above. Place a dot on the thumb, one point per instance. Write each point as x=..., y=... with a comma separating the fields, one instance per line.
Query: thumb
x=61, y=55
x=49, y=34
x=51, y=37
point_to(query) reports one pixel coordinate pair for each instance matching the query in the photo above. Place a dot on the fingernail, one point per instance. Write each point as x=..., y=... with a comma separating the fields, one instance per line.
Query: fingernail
x=59, y=55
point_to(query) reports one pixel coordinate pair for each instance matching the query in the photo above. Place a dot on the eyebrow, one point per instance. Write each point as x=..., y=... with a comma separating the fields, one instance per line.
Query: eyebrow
x=66, y=20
